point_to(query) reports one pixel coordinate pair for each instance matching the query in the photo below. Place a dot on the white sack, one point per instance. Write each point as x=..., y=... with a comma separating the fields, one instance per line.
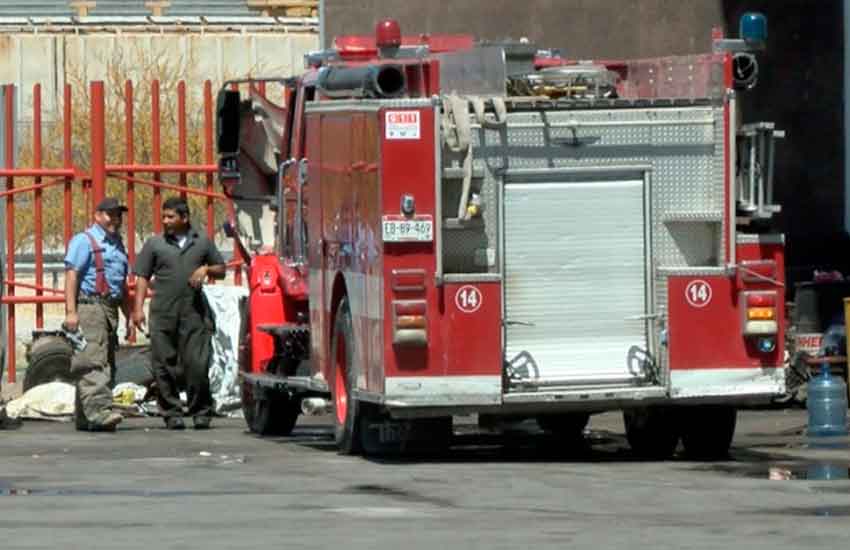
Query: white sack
x=224, y=364
x=53, y=401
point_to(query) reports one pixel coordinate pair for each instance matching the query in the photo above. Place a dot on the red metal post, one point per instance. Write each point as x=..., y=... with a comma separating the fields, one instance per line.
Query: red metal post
x=130, y=159
x=38, y=230
x=208, y=155
x=67, y=162
x=208, y=158
x=98, y=143
x=155, y=154
x=9, y=125
x=181, y=131
x=129, y=155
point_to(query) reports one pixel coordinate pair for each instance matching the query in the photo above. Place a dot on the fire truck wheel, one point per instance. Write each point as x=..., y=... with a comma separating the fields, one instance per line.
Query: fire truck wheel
x=347, y=410
x=49, y=360
x=569, y=425
x=652, y=432
x=707, y=431
x=275, y=413
x=248, y=404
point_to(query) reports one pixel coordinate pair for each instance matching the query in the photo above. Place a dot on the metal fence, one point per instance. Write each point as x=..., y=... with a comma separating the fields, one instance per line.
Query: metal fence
x=71, y=179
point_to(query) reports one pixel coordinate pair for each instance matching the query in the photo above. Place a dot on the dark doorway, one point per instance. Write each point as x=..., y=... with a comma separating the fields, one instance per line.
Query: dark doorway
x=801, y=88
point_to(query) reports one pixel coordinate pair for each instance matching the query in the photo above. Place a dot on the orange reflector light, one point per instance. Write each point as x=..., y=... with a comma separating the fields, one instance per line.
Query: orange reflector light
x=410, y=321
x=761, y=313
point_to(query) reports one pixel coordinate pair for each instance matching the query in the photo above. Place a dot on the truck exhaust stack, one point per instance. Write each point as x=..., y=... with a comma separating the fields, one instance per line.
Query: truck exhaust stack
x=380, y=81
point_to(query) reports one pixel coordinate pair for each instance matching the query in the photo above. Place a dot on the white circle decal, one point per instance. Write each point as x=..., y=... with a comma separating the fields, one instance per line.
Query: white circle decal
x=698, y=293
x=468, y=299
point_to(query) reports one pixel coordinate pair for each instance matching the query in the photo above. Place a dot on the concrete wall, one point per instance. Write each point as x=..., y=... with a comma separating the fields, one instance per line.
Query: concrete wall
x=27, y=58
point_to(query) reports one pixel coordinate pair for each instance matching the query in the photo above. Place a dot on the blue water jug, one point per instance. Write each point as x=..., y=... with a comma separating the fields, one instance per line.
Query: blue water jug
x=827, y=405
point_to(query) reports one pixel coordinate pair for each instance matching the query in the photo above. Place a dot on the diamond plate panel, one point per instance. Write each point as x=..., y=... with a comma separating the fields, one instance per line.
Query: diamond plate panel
x=684, y=145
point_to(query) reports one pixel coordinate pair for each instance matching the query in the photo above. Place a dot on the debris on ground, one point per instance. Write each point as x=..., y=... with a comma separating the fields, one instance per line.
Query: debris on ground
x=131, y=399
x=128, y=393
x=51, y=401
x=7, y=423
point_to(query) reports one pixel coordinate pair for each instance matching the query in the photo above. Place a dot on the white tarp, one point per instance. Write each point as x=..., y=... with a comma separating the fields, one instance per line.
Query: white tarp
x=224, y=364
x=53, y=401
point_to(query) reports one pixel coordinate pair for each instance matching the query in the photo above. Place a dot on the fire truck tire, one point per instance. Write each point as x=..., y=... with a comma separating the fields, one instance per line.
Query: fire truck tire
x=49, y=360
x=347, y=410
x=568, y=426
x=652, y=432
x=707, y=431
x=275, y=413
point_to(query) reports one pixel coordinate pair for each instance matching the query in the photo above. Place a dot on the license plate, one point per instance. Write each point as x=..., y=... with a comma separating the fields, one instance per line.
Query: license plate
x=396, y=231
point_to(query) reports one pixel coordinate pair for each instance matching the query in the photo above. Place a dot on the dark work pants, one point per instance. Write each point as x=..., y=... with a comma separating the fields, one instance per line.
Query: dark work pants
x=180, y=334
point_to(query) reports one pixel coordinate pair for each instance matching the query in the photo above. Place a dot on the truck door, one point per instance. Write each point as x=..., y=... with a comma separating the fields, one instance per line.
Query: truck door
x=577, y=278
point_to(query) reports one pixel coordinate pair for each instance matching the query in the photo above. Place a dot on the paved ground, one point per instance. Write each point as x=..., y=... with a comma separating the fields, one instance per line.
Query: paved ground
x=147, y=488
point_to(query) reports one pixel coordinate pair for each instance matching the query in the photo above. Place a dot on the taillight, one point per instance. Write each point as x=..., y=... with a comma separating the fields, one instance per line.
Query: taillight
x=410, y=323
x=761, y=313
x=761, y=299
x=760, y=317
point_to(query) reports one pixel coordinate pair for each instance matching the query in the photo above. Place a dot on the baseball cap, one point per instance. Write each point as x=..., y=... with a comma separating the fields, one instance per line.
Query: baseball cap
x=110, y=203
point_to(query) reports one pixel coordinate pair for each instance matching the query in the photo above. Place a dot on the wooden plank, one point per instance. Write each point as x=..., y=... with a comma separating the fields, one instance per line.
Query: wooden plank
x=157, y=7
x=288, y=8
x=82, y=7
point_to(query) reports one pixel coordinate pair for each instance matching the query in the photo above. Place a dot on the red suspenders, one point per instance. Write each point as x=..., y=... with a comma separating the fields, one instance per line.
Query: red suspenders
x=100, y=286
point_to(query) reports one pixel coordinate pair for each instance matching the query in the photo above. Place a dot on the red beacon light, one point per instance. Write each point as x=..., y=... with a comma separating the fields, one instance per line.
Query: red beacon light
x=387, y=36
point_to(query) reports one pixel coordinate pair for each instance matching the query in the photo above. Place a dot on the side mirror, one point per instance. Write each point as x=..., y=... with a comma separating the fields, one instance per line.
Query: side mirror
x=227, y=122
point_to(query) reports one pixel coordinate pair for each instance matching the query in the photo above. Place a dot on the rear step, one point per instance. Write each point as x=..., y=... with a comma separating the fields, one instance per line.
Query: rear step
x=282, y=331
x=282, y=383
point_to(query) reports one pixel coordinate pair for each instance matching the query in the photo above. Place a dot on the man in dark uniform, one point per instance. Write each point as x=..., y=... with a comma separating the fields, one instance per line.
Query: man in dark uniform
x=179, y=260
x=95, y=277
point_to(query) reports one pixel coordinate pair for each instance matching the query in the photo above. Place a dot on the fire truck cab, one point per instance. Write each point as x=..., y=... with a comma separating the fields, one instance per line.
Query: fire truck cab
x=439, y=227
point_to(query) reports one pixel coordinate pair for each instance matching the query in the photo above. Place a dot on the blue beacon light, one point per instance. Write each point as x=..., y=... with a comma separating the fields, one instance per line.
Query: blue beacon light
x=753, y=28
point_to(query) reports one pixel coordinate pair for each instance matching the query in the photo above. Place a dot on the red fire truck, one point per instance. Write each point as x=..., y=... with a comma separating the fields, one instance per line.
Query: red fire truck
x=441, y=227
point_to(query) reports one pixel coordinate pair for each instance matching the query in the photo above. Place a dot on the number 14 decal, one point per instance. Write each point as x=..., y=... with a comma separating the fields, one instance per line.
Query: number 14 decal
x=468, y=299
x=698, y=293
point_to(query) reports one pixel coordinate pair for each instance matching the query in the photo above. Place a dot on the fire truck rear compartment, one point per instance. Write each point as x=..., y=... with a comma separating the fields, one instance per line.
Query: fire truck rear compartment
x=584, y=214
x=562, y=327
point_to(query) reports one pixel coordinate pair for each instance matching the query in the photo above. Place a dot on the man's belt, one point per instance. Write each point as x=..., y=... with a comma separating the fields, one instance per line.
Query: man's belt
x=95, y=299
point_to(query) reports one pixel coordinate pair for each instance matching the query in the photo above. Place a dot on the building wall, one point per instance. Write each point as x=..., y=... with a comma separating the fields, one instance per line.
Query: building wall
x=800, y=88
x=582, y=28
x=48, y=58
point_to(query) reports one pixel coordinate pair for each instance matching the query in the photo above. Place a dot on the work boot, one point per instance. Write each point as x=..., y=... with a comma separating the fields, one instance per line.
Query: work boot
x=104, y=422
x=174, y=423
x=202, y=422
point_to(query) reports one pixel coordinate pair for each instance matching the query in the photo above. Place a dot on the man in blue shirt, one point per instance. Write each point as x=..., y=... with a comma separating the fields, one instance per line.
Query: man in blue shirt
x=96, y=268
